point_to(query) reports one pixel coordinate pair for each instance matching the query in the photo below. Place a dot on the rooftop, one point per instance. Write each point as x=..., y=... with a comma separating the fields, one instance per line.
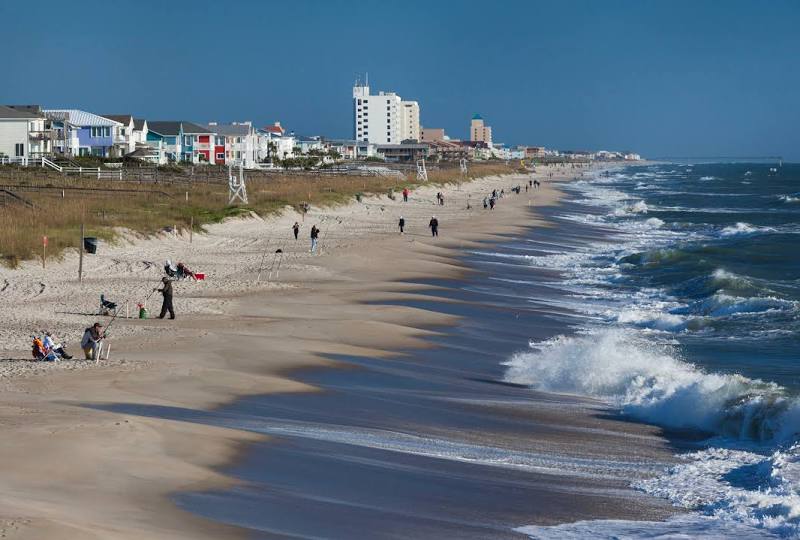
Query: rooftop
x=229, y=129
x=121, y=118
x=77, y=117
x=173, y=128
x=11, y=112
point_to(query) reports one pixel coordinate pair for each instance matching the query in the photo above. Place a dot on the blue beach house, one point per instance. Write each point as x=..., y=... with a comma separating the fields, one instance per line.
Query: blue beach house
x=89, y=134
x=182, y=141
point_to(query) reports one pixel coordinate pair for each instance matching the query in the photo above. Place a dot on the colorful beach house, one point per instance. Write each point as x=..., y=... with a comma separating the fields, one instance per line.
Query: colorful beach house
x=182, y=141
x=84, y=133
x=235, y=142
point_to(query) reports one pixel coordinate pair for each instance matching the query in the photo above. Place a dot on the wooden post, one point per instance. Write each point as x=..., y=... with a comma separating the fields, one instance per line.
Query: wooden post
x=44, y=252
x=191, y=228
x=80, y=256
x=187, y=196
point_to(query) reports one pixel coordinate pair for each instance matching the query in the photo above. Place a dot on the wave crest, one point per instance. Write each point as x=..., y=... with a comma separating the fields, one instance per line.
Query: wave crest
x=652, y=383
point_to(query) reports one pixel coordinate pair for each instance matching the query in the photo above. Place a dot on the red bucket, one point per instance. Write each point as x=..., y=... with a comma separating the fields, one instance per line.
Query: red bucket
x=200, y=276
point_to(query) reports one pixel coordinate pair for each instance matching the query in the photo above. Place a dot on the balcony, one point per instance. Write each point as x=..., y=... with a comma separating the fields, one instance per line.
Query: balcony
x=40, y=135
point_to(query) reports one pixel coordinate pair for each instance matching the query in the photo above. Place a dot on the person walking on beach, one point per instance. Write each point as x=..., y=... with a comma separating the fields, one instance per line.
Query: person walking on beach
x=405, y=194
x=402, y=224
x=166, y=292
x=434, y=225
x=491, y=203
x=296, y=229
x=485, y=203
x=91, y=341
x=314, y=238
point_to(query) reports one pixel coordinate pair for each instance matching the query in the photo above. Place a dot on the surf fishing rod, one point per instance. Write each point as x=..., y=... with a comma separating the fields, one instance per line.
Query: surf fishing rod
x=263, y=257
x=116, y=311
x=325, y=233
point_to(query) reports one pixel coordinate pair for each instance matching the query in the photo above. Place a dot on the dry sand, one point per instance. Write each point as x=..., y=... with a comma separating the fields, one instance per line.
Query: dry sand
x=71, y=471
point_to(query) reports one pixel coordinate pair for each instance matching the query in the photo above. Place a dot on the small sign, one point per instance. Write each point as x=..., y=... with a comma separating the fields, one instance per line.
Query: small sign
x=44, y=241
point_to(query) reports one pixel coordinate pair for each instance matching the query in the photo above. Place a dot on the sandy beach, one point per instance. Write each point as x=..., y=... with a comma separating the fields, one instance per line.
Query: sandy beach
x=81, y=472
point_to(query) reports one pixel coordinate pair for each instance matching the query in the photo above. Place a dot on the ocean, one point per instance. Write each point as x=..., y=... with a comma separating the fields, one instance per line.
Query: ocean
x=628, y=369
x=691, y=323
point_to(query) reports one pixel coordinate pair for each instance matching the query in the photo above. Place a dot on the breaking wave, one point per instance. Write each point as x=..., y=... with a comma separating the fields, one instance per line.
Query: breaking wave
x=650, y=382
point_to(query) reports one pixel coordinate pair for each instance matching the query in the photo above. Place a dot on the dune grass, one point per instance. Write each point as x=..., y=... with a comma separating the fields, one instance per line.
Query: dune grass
x=149, y=208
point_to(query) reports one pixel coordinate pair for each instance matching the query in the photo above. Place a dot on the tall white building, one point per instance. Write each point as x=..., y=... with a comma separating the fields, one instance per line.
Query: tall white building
x=383, y=118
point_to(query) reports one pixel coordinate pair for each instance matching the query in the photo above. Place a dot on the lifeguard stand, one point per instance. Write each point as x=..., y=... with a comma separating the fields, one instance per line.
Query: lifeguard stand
x=236, y=185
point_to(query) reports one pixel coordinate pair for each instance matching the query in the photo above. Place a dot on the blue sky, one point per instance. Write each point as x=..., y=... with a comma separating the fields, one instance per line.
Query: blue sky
x=681, y=78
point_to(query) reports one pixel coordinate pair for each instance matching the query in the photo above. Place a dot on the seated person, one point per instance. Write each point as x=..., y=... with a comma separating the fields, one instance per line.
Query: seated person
x=170, y=269
x=183, y=271
x=50, y=345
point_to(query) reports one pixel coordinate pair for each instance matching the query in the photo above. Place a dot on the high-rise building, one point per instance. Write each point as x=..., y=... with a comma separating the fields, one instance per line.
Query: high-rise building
x=478, y=131
x=383, y=118
x=409, y=121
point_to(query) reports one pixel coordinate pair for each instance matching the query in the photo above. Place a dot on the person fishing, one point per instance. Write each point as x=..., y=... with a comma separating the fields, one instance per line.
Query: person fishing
x=296, y=229
x=92, y=340
x=434, y=225
x=402, y=224
x=166, y=292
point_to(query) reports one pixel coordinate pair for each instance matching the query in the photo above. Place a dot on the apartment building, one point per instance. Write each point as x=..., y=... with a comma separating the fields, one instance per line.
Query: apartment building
x=383, y=118
x=479, y=131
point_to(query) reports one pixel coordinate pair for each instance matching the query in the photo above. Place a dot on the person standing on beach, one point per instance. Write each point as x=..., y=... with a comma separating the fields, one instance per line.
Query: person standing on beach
x=434, y=225
x=166, y=292
x=402, y=224
x=405, y=194
x=314, y=238
x=491, y=203
x=296, y=229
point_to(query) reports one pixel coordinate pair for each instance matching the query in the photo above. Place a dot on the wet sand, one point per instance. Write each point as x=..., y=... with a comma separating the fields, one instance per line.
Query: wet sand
x=84, y=472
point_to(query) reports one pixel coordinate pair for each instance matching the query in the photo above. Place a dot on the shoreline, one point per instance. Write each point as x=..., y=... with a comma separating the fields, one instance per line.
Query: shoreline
x=194, y=370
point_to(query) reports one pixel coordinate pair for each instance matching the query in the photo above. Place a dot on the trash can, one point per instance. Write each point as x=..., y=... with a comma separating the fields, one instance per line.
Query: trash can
x=90, y=244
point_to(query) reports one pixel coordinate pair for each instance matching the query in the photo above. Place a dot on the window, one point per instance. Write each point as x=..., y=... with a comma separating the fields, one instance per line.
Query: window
x=359, y=102
x=238, y=139
x=238, y=155
x=19, y=149
x=219, y=141
x=365, y=107
x=187, y=140
x=122, y=131
x=220, y=155
x=388, y=115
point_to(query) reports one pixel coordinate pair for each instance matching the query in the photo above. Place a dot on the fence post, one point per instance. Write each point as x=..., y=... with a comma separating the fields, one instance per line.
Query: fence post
x=80, y=256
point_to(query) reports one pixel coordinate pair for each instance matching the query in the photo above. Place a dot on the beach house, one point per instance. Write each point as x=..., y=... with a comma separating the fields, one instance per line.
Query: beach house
x=122, y=134
x=274, y=143
x=181, y=141
x=24, y=133
x=86, y=134
x=235, y=142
